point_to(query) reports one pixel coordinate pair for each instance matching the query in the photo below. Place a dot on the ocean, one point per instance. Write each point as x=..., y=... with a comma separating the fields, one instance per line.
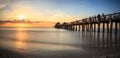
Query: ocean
x=58, y=42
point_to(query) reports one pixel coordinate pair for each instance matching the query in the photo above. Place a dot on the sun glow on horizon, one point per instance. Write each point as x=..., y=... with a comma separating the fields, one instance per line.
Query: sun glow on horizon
x=21, y=17
x=22, y=25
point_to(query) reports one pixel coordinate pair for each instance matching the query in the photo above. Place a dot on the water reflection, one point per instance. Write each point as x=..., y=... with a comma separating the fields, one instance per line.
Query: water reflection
x=20, y=39
x=19, y=45
x=103, y=40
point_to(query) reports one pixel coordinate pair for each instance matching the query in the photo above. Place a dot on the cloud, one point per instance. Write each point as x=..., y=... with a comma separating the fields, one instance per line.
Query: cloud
x=2, y=5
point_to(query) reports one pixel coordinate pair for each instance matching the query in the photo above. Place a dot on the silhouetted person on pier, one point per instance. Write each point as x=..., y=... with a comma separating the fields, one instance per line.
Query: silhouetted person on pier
x=90, y=19
x=103, y=17
x=83, y=20
x=119, y=15
x=99, y=18
x=94, y=18
x=110, y=17
x=116, y=16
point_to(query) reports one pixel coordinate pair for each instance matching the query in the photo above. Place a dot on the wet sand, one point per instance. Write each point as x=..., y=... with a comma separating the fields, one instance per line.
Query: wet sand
x=90, y=53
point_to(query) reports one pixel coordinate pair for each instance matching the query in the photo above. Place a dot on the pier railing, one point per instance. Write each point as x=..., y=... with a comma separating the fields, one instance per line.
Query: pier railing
x=90, y=24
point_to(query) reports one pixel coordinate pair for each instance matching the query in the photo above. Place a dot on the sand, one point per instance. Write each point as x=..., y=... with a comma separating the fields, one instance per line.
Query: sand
x=91, y=53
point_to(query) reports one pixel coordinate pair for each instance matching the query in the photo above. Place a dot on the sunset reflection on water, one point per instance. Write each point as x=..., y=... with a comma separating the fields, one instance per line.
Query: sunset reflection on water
x=20, y=38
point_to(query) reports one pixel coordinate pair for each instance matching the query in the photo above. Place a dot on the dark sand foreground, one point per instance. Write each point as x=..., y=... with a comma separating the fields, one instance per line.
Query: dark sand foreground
x=92, y=53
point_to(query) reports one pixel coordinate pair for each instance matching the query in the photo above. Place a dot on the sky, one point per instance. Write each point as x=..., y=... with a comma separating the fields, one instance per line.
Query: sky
x=56, y=10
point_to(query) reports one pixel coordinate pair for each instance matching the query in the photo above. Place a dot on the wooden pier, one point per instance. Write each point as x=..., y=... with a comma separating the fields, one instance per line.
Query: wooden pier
x=95, y=23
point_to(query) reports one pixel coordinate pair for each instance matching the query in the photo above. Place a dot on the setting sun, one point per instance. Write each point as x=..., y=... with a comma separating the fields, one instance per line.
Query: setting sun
x=21, y=17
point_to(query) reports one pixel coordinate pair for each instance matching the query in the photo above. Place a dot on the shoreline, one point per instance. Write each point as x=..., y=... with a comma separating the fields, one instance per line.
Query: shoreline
x=4, y=53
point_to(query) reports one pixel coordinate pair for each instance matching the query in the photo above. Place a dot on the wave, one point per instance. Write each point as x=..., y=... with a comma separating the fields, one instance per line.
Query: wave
x=39, y=42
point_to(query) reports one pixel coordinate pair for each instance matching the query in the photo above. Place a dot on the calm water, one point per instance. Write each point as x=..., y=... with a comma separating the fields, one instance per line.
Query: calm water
x=50, y=41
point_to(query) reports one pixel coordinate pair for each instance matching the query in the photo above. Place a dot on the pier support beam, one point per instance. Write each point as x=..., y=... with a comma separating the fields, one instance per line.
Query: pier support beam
x=94, y=27
x=83, y=28
x=119, y=36
x=87, y=27
x=103, y=27
x=98, y=27
x=116, y=32
x=75, y=27
x=91, y=27
x=70, y=27
x=79, y=27
x=119, y=27
x=116, y=26
x=107, y=27
x=111, y=26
